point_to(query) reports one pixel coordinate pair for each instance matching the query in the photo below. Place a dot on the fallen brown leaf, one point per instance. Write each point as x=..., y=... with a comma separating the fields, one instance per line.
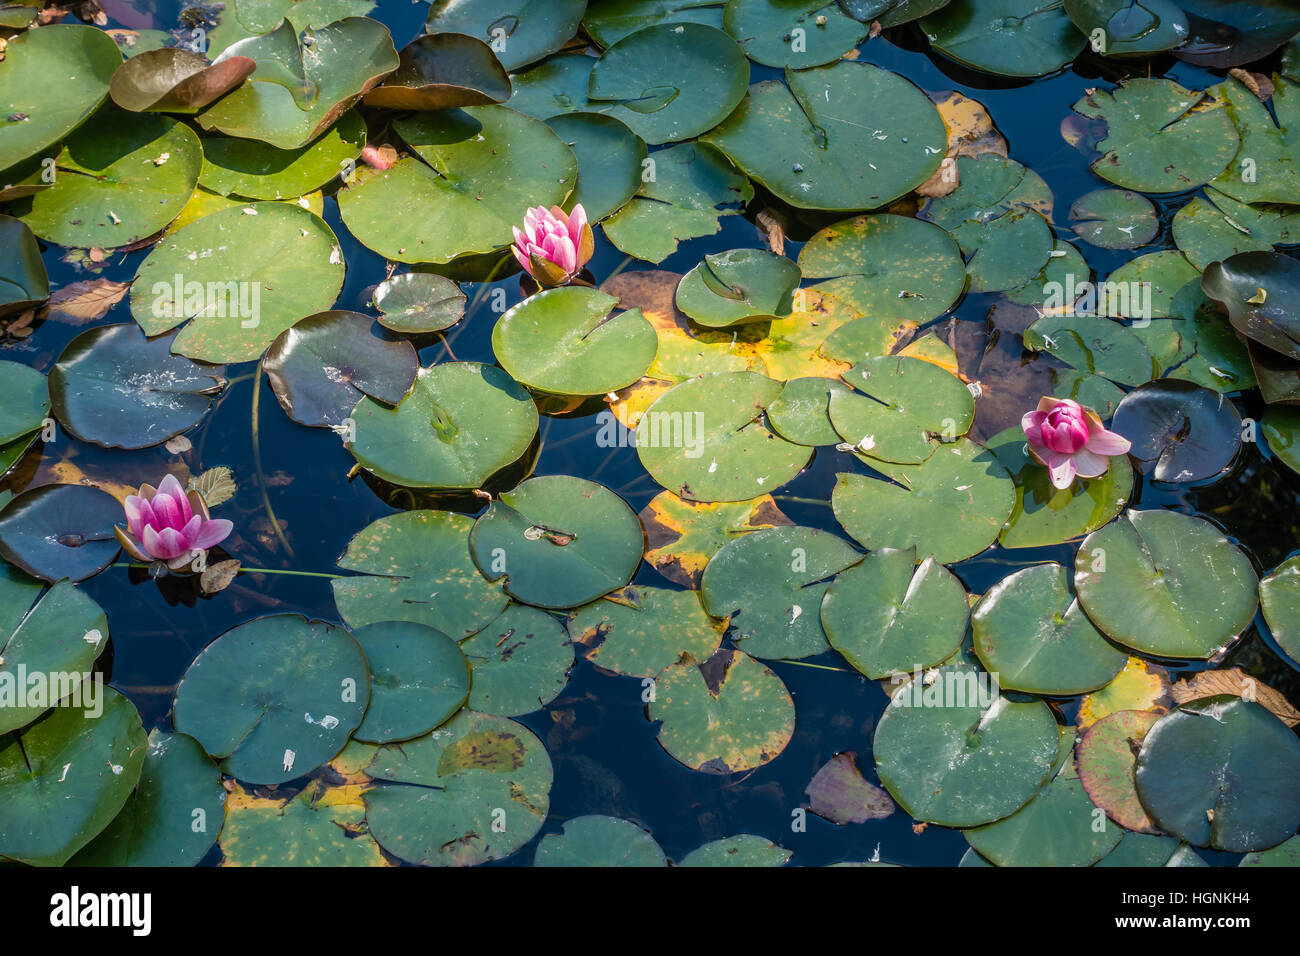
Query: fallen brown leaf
x=1238, y=683
x=79, y=303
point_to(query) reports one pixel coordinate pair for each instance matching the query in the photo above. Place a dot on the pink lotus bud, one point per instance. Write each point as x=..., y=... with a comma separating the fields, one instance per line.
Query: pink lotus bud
x=373, y=157
x=553, y=247
x=167, y=524
x=1070, y=440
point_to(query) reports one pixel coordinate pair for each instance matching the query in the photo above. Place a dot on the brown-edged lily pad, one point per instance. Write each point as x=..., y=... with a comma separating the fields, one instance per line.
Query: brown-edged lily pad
x=172, y=80
x=442, y=71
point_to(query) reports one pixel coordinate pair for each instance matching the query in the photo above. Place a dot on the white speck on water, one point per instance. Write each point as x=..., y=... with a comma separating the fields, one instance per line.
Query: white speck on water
x=116, y=768
x=289, y=758
x=64, y=776
x=336, y=256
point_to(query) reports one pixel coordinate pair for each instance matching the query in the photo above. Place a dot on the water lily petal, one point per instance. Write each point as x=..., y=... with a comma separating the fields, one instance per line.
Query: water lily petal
x=1063, y=470
x=213, y=532
x=1106, y=442
x=1088, y=464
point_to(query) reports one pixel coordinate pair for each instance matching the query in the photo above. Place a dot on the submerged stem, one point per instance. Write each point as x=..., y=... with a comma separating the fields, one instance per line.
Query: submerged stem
x=257, y=461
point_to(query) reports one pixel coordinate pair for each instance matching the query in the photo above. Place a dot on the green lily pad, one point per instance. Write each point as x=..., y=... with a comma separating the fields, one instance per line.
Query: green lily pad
x=559, y=541
x=518, y=31
x=419, y=678
x=1257, y=290
x=62, y=633
x=1023, y=38
x=1267, y=166
x=966, y=757
x=611, y=20
x=24, y=401
x=24, y=283
x=447, y=790
x=257, y=170
x=805, y=139
x=639, y=631
x=690, y=187
x=114, y=387
x=802, y=412
x=415, y=302
x=65, y=777
x=642, y=80
x=481, y=167
x=745, y=849
x=289, y=263
x=319, y=826
x=1045, y=514
x=1222, y=772
x=259, y=16
x=705, y=439
x=996, y=214
x=321, y=367
x=1281, y=428
x=443, y=71
x=1065, y=266
x=683, y=535
x=726, y=715
x=1202, y=349
x=1284, y=854
x=416, y=566
x=76, y=61
x=1160, y=138
x=566, y=342
x=175, y=814
x=121, y=178
x=60, y=531
x=461, y=423
x=1166, y=584
x=794, y=35
x=610, y=160
x=1175, y=285
x=274, y=698
x=173, y=80
x=1093, y=343
x=1107, y=756
x=902, y=408
x=1115, y=219
x=739, y=286
x=1129, y=28
x=599, y=841
x=1147, y=850
x=521, y=662
x=886, y=266
x=305, y=80
x=889, y=614
x=1218, y=227
x=1279, y=599
x=1056, y=828
x=1031, y=632
x=1179, y=430
x=556, y=86
x=770, y=583
x=952, y=506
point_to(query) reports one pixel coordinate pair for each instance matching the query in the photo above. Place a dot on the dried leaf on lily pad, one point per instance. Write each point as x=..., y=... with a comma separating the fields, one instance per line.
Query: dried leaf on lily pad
x=218, y=577
x=842, y=795
x=1238, y=683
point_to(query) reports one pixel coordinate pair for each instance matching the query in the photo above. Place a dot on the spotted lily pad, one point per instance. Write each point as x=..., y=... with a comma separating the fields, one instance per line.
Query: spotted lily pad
x=1093, y=343
x=518, y=31
x=951, y=750
x=1222, y=772
x=706, y=440
x=1166, y=584
x=639, y=631
x=725, y=715
x=321, y=367
x=173, y=80
x=745, y=849
x=889, y=614
x=49, y=646
x=1179, y=430
x=289, y=264
x=481, y=167
x=1115, y=219
x=952, y=506
x=683, y=535
x=65, y=777
x=640, y=81
x=1284, y=854
x=796, y=35
x=1045, y=514
x=771, y=583
x=599, y=841
x=1058, y=827
x=175, y=815
x=419, y=678
x=319, y=826
x=439, y=796
x=886, y=266
x=60, y=531
x=274, y=698
x=441, y=71
x=566, y=342
x=416, y=566
x=1265, y=168
x=804, y=139
x=415, y=302
x=121, y=177
x=458, y=425
x=305, y=80
x=521, y=662
x=1217, y=227
x=1107, y=756
x=76, y=61
x=257, y=170
x=1031, y=632
x=1279, y=598
x=1160, y=138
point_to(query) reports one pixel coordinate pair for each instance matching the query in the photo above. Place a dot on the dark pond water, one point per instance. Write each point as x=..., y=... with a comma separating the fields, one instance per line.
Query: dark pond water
x=604, y=750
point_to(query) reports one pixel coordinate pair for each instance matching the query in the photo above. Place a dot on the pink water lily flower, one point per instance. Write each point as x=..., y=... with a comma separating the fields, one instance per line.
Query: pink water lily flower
x=553, y=247
x=1070, y=440
x=167, y=524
